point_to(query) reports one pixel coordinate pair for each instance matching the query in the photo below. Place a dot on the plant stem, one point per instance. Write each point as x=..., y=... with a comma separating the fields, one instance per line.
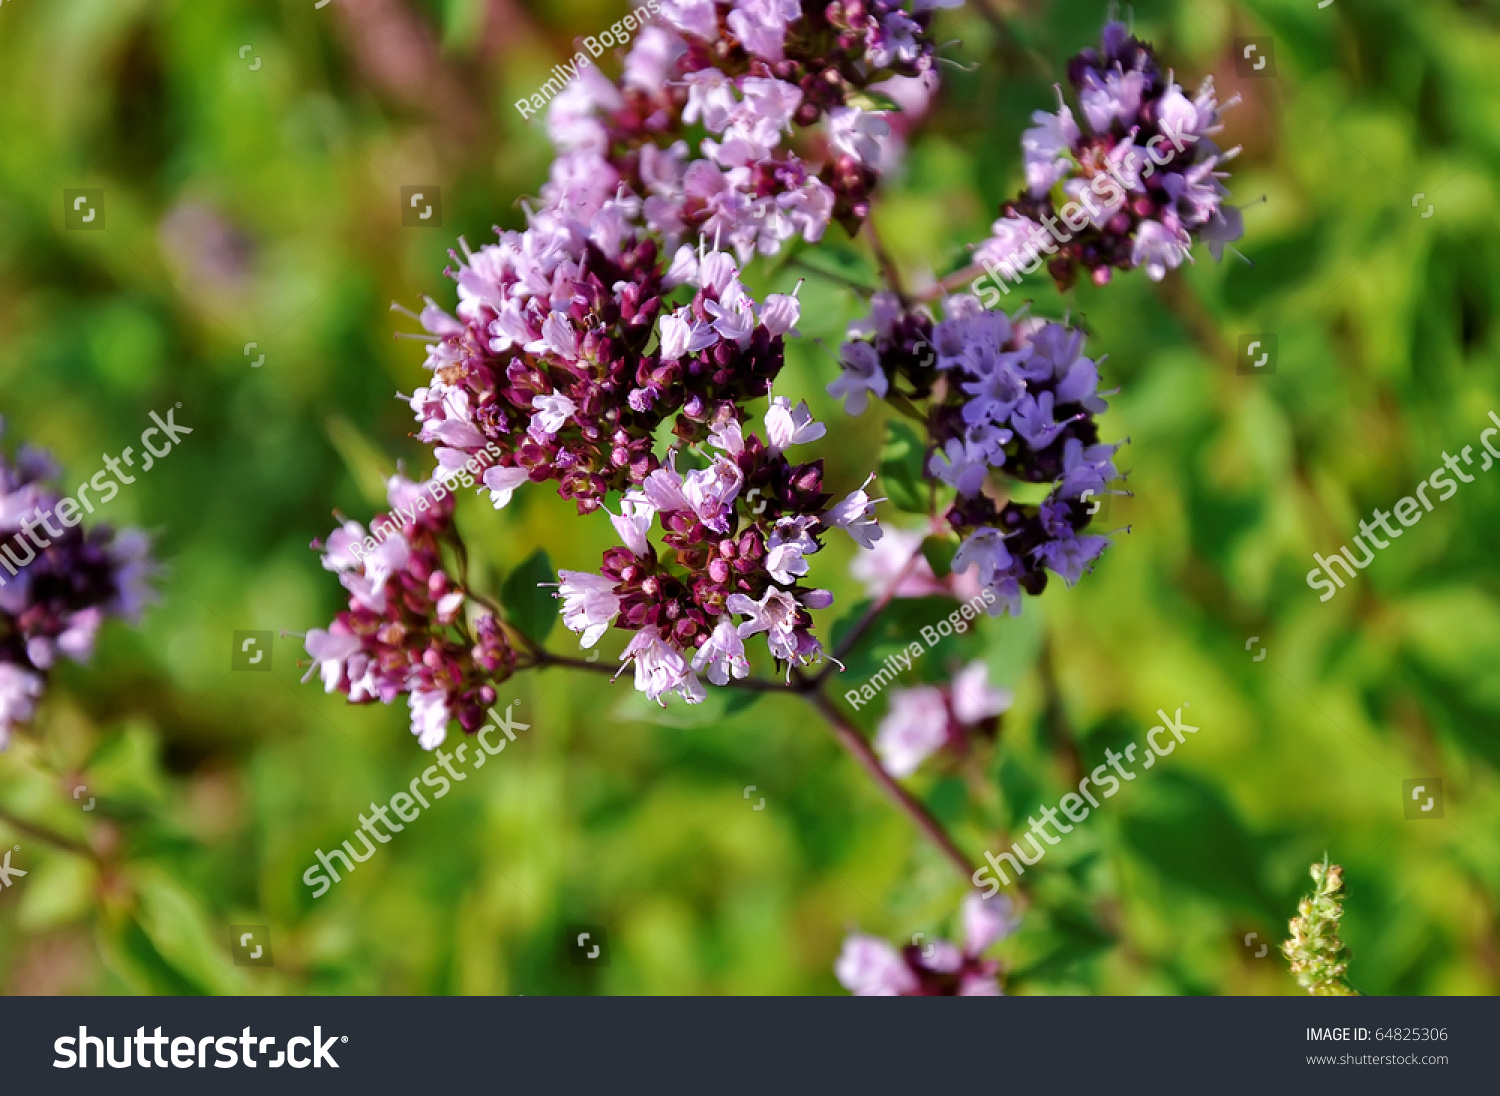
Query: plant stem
x=888, y=268
x=846, y=732
x=818, y=271
x=953, y=281
x=811, y=688
x=1178, y=295
x=852, y=740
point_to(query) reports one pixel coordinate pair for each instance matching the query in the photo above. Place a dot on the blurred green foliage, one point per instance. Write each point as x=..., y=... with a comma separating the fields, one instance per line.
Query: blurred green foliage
x=261, y=205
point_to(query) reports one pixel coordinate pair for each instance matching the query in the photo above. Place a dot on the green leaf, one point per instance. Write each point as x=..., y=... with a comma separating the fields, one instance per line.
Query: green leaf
x=899, y=628
x=939, y=553
x=183, y=933
x=60, y=890
x=901, y=468
x=529, y=605
x=131, y=956
x=1190, y=834
x=739, y=700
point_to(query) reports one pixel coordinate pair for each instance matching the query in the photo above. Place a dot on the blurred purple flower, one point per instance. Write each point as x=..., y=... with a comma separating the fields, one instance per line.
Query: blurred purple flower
x=870, y=967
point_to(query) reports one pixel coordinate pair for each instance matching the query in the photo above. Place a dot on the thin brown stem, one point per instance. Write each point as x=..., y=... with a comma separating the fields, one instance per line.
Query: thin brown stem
x=488, y=602
x=1007, y=47
x=906, y=407
x=993, y=18
x=811, y=687
x=852, y=740
x=888, y=269
x=818, y=271
x=953, y=281
x=1177, y=294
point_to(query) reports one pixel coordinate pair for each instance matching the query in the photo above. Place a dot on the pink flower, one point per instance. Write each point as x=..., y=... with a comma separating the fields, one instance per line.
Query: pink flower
x=786, y=426
x=723, y=654
x=19, y=690
x=859, y=133
x=590, y=604
x=856, y=516
x=775, y=614
x=861, y=375
x=710, y=492
x=552, y=411
x=329, y=651
x=915, y=727
x=987, y=920
x=1047, y=147
x=660, y=668
x=502, y=483
x=974, y=700
x=429, y=717
x=634, y=522
x=869, y=967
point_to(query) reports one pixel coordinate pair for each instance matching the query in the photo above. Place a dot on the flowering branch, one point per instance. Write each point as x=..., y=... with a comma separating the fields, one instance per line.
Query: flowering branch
x=621, y=317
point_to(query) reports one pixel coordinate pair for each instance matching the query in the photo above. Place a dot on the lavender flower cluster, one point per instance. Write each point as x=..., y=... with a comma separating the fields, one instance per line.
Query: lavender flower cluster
x=737, y=536
x=925, y=719
x=61, y=590
x=1144, y=152
x=1000, y=394
x=568, y=349
x=575, y=342
x=405, y=630
x=747, y=72
x=566, y=359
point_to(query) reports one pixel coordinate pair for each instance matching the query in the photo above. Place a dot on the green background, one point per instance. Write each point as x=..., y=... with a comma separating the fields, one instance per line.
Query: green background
x=263, y=204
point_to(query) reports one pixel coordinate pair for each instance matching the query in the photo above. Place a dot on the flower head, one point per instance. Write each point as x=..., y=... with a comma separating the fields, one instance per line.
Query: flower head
x=869, y=967
x=738, y=537
x=1007, y=396
x=924, y=719
x=404, y=632
x=59, y=582
x=1134, y=186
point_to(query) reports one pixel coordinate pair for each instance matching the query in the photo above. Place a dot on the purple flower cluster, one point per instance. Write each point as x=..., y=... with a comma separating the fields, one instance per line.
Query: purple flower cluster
x=1134, y=186
x=780, y=91
x=870, y=967
x=736, y=538
x=57, y=588
x=577, y=338
x=405, y=631
x=566, y=355
x=924, y=719
x=1001, y=395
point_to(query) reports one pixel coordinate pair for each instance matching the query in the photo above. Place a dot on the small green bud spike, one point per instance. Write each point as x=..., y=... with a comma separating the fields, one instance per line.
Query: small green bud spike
x=1318, y=958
